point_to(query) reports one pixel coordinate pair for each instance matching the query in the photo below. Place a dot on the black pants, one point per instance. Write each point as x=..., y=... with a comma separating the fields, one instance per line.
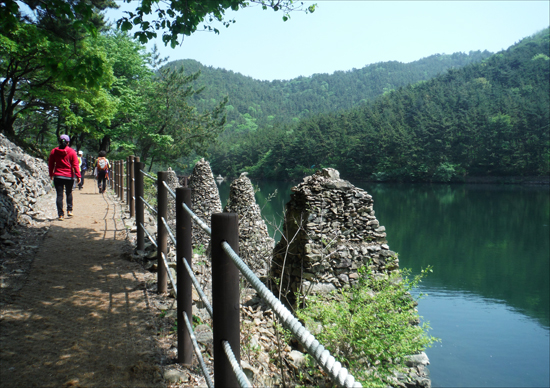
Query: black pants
x=59, y=185
x=81, y=181
x=102, y=181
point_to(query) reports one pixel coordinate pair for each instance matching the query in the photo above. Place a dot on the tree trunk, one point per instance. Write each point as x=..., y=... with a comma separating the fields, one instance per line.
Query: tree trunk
x=105, y=143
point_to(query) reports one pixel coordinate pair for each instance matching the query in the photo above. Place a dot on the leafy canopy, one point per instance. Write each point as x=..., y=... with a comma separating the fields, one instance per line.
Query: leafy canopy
x=175, y=17
x=169, y=126
x=184, y=17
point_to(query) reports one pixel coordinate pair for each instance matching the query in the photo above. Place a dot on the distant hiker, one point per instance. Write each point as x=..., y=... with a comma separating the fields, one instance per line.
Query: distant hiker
x=83, y=164
x=102, y=165
x=63, y=168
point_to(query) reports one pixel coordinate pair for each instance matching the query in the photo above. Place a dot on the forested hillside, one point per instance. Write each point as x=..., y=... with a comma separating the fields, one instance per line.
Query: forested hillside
x=254, y=104
x=481, y=115
x=488, y=118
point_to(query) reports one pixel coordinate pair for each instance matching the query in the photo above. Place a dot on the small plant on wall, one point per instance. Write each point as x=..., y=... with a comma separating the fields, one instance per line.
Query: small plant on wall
x=371, y=327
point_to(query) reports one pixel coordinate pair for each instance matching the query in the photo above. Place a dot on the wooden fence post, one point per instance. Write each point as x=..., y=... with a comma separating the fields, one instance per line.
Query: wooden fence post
x=131, y=188
x=115, y=177
x=112, y=175
x=121, y=180
x=127, y=177
x=140, y=217
x=162, y=233
x=225, y=297
x=184, y=233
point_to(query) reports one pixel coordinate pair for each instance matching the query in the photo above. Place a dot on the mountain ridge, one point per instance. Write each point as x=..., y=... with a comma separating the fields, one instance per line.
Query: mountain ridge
x=489, y=118
x=254, y=103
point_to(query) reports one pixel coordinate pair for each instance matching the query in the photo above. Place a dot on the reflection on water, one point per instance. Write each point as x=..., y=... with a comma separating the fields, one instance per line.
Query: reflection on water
x=489, y=292
x=485, y=343
x=486, y=239
x=488, y=298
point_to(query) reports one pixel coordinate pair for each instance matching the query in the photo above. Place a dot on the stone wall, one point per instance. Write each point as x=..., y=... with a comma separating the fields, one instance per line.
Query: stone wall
x=331, y=231
x=172, y=181
x=23, y=180
x=205, y=199
x=255, y=245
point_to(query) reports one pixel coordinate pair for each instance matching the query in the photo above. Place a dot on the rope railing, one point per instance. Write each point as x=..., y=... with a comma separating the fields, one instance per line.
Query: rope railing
x=198, y=287
x=314, y=348
x=148, y=205
x=169, y=230
x=174, y=285
x=190, y=330
x=169, y=189
x=241, y=377
x=200, y=222
x=149, y=176
x=224, y=339
x=198, y=352
x=149, y=235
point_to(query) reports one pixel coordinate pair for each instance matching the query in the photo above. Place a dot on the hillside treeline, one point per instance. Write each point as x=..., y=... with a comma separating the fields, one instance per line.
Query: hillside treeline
x=482, y=115
x=489, y=118
x=254, y=104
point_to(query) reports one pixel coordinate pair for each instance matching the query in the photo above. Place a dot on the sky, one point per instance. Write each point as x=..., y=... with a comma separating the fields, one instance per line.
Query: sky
x=342, y=35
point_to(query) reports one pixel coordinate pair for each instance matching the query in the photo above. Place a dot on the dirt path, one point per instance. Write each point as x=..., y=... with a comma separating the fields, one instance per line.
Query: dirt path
x=83, y=317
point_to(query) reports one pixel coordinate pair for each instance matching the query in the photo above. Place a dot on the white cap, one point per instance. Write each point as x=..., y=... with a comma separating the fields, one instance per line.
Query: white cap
x=80, y=152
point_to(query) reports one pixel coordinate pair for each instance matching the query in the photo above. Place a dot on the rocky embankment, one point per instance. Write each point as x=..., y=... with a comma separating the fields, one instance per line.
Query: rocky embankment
x=23, y=181
x=27, y=204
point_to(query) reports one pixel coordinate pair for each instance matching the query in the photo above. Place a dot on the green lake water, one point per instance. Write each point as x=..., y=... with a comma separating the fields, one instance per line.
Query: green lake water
x=488, y=296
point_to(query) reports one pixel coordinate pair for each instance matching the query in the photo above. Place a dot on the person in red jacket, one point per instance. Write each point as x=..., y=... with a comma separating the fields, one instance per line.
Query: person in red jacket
x=63, y=167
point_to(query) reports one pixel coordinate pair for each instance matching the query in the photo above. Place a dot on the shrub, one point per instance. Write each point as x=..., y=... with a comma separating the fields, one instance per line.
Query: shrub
x=372, y=326
x=444, y=172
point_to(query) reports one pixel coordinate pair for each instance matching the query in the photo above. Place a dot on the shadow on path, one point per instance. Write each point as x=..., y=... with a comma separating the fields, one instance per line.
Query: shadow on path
x=83, y=317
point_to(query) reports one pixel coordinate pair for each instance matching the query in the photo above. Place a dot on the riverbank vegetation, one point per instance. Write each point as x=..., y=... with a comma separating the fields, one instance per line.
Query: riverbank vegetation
x=370, y=328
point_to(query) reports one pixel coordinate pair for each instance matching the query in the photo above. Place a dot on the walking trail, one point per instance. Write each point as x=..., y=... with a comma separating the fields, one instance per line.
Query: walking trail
x=83, y=318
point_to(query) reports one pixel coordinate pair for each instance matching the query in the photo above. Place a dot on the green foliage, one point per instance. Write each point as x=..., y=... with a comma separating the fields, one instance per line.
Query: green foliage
x=114, y=102
x=150, y=190
x=197, y=321
x=444, y=172
x=169, y=126
x=199, y=250
x=184, y=17
x=62, y=19
x=371, y=327
x=303, y=97
x=51, y=78
x=488, y=118
x=64, y=72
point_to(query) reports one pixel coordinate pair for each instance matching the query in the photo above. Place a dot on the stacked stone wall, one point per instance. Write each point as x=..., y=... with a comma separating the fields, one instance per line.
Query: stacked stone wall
x=172, y=181
x=23, y=180
x=255, y=245
x=331, y=231
x=205, y=199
